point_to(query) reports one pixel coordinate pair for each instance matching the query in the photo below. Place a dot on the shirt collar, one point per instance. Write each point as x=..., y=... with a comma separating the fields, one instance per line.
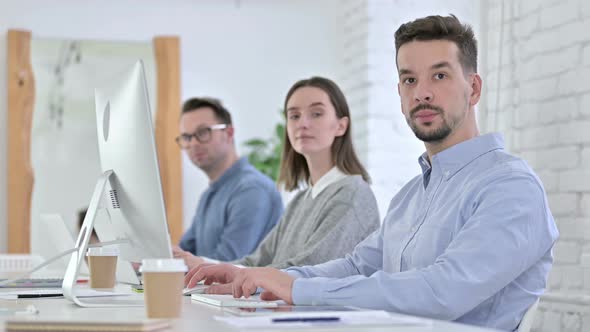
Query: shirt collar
x=229, y=173
x=453, y=159
x=333, y=175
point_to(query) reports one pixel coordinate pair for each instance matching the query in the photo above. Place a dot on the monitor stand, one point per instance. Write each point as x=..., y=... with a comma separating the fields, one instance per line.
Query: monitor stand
x=81, y=246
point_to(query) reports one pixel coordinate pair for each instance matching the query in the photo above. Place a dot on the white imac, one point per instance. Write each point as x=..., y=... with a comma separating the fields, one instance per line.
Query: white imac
x=129, y=189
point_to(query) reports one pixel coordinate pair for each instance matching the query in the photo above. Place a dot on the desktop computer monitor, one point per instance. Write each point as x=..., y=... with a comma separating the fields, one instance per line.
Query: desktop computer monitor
x=129, y=189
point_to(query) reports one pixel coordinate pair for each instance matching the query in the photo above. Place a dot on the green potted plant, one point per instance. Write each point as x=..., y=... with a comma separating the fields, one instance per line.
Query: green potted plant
x=265, y=154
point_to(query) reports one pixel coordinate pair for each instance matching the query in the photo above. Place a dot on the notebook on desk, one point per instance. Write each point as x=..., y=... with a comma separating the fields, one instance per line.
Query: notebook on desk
x=59, y=325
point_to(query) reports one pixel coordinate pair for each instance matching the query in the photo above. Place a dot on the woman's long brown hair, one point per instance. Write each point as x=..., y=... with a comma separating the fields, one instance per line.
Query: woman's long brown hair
x=294, y=170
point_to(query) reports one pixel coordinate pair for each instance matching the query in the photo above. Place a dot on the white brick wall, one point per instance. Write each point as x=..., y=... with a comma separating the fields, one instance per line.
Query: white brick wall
x=567, y=252
x=575, y=180
x=575, y=229
x=562, y=204
x=585, y=205
x=550, y=180
x=585, y=100
x=534, y=58
x=545, y=61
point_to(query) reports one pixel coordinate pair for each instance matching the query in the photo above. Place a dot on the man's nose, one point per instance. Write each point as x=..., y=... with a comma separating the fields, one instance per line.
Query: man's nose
x=423, y=93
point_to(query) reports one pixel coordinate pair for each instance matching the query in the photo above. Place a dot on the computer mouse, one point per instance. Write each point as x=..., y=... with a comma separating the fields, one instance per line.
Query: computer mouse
x=198, y=289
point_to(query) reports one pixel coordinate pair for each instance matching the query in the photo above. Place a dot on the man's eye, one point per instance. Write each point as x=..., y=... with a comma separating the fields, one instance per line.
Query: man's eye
x=440, y=76
x=293, y=117
x=185, y=137
x=409, y=80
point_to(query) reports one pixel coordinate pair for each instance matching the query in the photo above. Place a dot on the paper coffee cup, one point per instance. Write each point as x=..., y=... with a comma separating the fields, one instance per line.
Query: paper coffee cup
x=163, y=281
x=102, y=263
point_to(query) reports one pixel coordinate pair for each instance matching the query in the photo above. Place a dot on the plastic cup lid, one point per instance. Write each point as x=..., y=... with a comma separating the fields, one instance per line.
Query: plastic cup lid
x=163, y=265
x=103, y=251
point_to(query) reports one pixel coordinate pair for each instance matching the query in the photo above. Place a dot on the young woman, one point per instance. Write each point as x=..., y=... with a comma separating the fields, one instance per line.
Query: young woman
x=336, y=208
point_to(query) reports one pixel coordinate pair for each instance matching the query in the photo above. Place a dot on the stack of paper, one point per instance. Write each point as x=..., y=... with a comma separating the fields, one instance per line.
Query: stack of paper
x=326, y=318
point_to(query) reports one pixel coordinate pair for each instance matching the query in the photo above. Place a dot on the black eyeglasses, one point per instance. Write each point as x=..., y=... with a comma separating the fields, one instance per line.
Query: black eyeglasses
x=203, y=135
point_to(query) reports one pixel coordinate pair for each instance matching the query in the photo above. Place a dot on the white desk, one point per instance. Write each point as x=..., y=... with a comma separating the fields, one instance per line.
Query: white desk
x=197, y=317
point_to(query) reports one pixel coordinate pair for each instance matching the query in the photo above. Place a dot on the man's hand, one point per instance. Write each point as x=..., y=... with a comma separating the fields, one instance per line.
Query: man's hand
x=219, y=289
x=190, y=260
x=277, y=285
x=211, y=273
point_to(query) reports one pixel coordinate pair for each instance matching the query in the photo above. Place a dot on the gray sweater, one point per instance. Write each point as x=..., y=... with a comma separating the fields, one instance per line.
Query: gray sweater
x=316, y=230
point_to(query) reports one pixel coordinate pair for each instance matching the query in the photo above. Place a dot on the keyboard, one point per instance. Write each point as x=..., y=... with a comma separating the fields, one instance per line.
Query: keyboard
x=230, y=301
x=34, y=283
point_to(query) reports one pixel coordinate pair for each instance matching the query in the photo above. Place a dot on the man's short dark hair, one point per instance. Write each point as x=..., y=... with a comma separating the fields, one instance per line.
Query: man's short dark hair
x=221, y=113
x=441, y=28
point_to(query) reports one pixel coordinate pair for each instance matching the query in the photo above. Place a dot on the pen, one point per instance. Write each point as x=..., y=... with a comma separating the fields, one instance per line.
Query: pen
x=305, y=319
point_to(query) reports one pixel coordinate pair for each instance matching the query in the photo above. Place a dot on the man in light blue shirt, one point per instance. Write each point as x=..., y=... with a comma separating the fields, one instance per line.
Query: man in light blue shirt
x=241, y=204
x=468, y=240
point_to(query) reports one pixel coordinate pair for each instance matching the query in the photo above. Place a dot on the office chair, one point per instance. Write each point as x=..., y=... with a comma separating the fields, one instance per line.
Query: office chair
x=527, y=320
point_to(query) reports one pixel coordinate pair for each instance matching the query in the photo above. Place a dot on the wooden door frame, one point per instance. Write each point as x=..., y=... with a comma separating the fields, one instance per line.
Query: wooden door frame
x=167, y=54
x=21, y=101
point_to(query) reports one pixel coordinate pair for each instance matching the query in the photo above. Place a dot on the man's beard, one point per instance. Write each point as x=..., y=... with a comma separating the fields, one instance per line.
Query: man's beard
x=438, y=134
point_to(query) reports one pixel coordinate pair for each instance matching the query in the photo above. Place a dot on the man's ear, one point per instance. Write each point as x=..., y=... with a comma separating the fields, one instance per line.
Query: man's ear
x=230, y=132
x=476, y=86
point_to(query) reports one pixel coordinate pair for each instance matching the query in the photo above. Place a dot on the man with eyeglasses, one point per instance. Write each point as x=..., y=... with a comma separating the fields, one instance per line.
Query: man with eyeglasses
x=241, y=204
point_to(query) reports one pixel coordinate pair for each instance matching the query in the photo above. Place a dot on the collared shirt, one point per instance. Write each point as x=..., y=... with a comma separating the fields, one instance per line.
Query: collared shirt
x=469, y=240
x=332, y=176
x=234, y=214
